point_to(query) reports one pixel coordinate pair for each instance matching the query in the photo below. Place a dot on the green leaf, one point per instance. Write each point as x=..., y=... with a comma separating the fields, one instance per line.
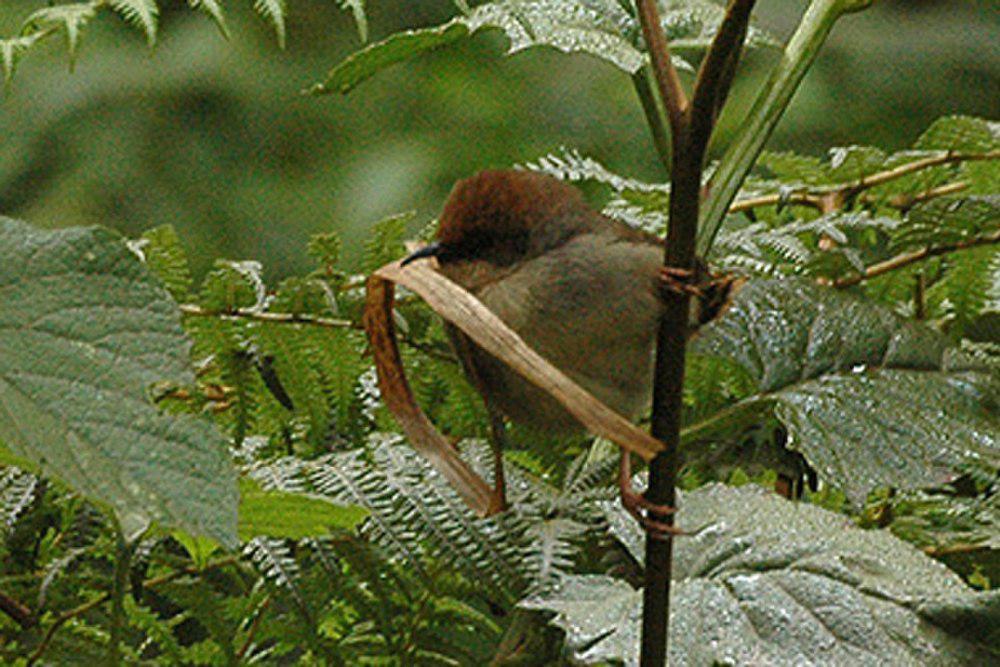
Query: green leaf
x=69, y=17
x=86, y=330
x=606, y=29
x=199, y=549
x=398, y=48
x=814, y=591
x=567, y=25
x=141, y=14
x=692, y=24
x=291, y=515
x=869, y=399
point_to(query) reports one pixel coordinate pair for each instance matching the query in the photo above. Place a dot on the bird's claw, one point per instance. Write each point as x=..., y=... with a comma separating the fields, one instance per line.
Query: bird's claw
x=680, y=281
x=643, y=511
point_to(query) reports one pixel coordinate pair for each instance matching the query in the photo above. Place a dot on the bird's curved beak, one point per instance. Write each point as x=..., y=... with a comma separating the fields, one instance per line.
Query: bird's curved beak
x=432, y=250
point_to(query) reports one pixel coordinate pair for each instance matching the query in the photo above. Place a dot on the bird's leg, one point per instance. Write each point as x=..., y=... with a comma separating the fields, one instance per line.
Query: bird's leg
x=498, y=440
x=641, y=509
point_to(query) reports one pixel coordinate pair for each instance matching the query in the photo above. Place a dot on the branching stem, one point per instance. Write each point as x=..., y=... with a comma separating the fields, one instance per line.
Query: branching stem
x=263, y=316
x=667, y=80
x=691, y=128
x=914, y=256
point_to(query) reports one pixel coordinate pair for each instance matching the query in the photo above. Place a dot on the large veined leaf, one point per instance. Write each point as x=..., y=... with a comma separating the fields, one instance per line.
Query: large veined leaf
x=764, y=581
x=869, y=398
x=601, y=28
x=84, y=331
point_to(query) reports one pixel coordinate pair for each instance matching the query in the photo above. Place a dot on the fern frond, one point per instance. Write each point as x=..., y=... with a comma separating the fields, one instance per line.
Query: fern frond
x=17, y=493
x=160, y=248
x=273, y=11
x=142, y=14
x=274, y=560
x=71, y=18
x=386, y=241
x=214, y=9
x=12, y=50
x=357, y=8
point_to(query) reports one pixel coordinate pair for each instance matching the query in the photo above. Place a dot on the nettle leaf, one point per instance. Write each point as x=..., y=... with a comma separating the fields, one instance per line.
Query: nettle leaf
x=86, y=330
x=570, y=26
x=867, y=397
x=294, y=516
x=761, y=580
x=606, y=29
x=692, y=24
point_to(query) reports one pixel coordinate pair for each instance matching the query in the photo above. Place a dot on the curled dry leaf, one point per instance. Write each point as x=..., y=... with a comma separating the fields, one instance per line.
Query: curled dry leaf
x=463, y=310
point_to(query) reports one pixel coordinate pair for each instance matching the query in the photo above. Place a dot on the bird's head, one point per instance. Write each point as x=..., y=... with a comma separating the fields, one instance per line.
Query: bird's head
x=505, y=216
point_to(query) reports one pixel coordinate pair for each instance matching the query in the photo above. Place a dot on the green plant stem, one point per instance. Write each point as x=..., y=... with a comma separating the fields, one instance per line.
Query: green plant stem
x=262, y=316
x=654, y=116
x=123, y=557
x=767, y=110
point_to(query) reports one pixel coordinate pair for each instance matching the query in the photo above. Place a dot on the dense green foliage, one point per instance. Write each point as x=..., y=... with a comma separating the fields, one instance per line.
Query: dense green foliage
x=863, y=349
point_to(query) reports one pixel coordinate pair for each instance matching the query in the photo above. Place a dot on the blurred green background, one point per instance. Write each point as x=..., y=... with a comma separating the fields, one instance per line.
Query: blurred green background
x=213, y=136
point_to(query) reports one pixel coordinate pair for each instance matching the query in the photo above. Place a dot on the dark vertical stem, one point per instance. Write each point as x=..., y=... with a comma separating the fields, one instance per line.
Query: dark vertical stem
x=667, y=395
x=691, y=127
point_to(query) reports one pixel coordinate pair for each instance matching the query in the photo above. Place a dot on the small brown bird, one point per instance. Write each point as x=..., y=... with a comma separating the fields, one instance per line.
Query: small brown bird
x=584, y=290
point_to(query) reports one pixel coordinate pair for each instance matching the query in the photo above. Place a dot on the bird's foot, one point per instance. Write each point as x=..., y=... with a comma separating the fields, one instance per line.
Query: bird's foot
x=681, y=281
x=651, y=517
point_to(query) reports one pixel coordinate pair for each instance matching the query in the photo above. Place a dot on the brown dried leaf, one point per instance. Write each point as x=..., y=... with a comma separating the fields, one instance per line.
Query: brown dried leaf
x=463, y=310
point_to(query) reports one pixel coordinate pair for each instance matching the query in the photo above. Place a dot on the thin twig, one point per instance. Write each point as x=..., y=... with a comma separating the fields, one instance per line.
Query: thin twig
x=820, y=198
x=194, y=310
x=912, y=257
x=17, y=610
x=947, y=157
x=101, y=599
x=252, y=630
x=667, y=80
x=904, y=202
